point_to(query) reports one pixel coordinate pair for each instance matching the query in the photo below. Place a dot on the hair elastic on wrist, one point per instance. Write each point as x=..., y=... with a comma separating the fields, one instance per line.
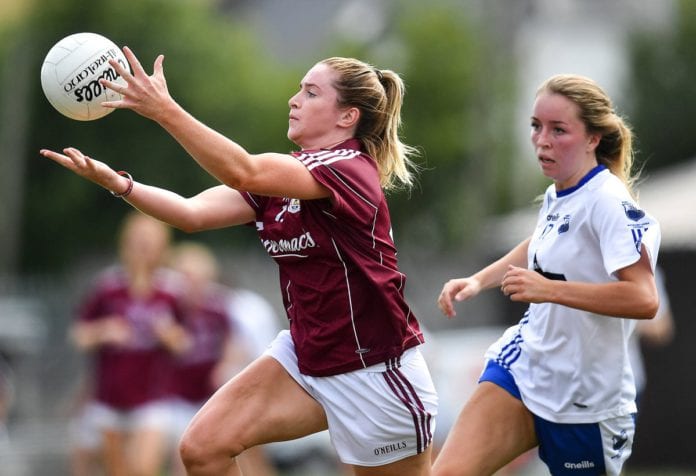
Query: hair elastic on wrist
x=129, y=189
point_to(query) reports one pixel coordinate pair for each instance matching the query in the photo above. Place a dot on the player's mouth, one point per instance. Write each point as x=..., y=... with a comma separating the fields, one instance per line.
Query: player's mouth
x=545, y=160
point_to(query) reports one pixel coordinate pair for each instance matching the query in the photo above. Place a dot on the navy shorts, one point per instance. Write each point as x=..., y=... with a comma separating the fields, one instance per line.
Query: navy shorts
x=574, y=448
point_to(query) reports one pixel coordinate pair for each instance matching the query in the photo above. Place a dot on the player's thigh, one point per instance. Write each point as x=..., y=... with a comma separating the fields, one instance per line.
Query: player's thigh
x=262, y=404
x=491, y=430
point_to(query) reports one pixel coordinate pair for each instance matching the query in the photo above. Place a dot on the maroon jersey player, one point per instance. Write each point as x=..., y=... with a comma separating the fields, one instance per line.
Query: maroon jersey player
x=350, y=361
x=338, y=266
x=129, y=326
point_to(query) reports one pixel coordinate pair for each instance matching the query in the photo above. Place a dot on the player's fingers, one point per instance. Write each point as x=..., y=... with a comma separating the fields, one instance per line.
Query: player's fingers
x=116, y=87
x=122, y=70
x=134, y=62
x=55, y=156
x=77, y=157
x=112, y=104
x=463, y=295
x=444, y=302
x=159, y=66
x=446, y=308
x=61, y=159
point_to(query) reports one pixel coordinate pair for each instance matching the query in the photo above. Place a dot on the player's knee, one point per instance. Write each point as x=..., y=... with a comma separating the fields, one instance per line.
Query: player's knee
x=201, y=450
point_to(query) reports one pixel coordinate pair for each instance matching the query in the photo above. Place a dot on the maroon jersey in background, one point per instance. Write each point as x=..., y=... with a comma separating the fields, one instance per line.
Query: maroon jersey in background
x=208, y=327
x=341, y=286
x=139, y=371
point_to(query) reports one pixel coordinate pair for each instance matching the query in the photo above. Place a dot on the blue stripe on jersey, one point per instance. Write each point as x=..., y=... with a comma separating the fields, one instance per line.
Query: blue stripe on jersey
x=582, y=181
x=511, y=351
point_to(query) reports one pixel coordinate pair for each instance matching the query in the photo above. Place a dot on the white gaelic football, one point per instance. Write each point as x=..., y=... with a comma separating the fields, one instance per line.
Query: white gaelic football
x=71, y=71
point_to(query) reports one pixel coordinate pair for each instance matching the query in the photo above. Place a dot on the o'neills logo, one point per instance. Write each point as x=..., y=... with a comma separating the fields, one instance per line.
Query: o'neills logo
x=92, y=89
x=581, y=465
x=390, y=448
x=296, y=244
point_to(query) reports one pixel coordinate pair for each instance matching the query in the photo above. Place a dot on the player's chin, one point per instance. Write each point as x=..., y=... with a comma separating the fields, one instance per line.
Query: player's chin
x=293, y=134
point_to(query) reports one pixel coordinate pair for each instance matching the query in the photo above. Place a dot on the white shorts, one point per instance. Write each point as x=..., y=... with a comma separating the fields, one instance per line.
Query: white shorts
x=182, y=412
x=377, y=415
x=154, y=415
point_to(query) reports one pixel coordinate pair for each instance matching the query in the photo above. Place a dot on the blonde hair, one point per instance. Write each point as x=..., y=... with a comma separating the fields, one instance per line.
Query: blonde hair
x=378, y=94
x=615, y=148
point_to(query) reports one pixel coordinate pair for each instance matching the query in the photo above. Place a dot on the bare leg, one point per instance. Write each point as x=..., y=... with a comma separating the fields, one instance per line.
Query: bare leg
x=260, y=405
x=148, y=451
x=492, y=429
x=254, y=462
x=116, y=459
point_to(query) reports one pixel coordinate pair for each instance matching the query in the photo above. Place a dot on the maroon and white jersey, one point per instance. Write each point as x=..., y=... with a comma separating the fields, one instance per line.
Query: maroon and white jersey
x=341, y=286
x=208, y=326
x=138, y=371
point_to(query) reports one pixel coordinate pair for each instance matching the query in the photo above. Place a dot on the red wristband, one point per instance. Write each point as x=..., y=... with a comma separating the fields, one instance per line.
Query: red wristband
x=129, y=189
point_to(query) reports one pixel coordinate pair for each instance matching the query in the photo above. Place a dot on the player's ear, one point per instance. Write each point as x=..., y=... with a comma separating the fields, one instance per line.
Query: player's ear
x=593, y=142
x=349, y=117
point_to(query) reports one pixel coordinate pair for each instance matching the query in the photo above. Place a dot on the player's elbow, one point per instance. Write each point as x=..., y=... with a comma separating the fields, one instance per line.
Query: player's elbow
x=648, y=307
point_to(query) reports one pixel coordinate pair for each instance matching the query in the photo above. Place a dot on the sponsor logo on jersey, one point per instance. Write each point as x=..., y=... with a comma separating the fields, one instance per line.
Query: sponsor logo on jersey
x=290, y=245
x=390, y=448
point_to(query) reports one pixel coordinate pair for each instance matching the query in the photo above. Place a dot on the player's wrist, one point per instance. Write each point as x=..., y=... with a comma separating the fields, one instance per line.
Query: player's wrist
x=126, y=187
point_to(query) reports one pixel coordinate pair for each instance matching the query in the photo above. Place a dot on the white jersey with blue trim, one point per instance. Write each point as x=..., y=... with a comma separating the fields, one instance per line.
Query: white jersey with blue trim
x=572, y=366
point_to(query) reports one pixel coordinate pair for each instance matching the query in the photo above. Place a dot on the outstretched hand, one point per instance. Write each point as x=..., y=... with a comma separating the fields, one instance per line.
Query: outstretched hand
x=457, y=290
x=84, y=166
x=145, y=94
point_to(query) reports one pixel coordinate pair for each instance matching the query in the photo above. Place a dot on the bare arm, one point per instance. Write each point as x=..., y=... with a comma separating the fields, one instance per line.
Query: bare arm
x=634, y=295
x=216, y=207
x=266, y=174
x=87, y=336
x=461, y=289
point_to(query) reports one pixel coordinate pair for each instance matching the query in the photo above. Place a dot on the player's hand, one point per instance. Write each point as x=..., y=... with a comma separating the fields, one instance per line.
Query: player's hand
x=145, y=94
x=524, y=285
x=115, y=331
x=459, y=289
x=86, y=167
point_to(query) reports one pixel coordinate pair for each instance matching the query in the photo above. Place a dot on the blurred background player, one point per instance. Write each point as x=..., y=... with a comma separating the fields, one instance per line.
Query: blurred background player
x=214, y=350
x=129, y=327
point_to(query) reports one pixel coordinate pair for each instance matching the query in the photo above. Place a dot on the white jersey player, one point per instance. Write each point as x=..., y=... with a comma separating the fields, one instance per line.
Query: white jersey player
x=561, y=379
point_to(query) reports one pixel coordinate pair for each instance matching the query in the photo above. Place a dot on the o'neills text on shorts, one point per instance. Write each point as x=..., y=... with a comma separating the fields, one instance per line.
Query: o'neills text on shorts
x=581, y=465
x=390, y=448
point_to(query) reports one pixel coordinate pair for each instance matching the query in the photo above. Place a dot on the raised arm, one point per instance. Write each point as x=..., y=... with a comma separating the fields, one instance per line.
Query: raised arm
x=266, y=174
